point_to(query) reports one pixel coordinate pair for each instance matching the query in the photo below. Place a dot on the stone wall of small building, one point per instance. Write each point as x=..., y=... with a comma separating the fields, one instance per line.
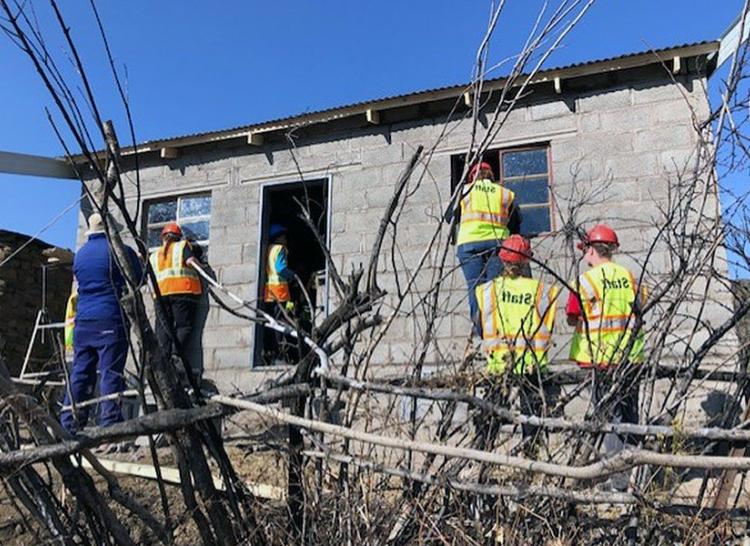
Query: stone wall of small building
x=21, y=298
x=620, y=141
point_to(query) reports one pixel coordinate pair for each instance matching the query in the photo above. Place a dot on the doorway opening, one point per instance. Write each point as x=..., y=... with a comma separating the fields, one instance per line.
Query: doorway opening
x=283, y=205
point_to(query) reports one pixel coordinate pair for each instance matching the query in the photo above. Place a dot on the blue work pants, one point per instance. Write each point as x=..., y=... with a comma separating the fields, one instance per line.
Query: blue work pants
x=99, y=347
x=480, y=264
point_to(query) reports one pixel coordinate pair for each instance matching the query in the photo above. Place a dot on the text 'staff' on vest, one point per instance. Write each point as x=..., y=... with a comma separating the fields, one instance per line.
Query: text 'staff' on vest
x=608, y=293
x=517, y=317
x=485, y=212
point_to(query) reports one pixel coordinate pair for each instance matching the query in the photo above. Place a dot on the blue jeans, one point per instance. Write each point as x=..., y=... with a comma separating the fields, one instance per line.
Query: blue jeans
x=98, y=347
x=479, y=263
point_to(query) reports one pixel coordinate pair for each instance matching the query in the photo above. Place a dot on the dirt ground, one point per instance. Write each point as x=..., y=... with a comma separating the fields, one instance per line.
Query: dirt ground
x=253, y=465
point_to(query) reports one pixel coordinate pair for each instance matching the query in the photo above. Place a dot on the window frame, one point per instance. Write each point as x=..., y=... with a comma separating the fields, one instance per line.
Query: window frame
x=550, y=204
x=204, y=243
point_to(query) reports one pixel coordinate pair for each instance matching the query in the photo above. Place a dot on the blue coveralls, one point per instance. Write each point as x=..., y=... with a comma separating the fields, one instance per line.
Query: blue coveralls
x=100, y=337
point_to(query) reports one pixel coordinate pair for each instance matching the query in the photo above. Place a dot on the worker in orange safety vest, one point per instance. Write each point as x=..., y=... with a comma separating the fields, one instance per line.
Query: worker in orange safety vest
x=517, y=315
x=603, y=308
x=179, y=286
x=277, y=296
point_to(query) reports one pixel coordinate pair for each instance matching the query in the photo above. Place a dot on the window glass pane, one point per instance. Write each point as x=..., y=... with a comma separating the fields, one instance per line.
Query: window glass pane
x=535, y=220
x=197, y=231
x=525, y=162
x=530, y=191
x=195, y=206
x=153, y=238
x=164, y=211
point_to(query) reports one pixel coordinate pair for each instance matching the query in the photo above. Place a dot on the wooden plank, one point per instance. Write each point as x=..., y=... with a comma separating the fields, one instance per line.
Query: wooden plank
x=373, y=117
x=172, y=475
x=169, y=153
x=676, y=64
x=35, y=165
x=255, y=139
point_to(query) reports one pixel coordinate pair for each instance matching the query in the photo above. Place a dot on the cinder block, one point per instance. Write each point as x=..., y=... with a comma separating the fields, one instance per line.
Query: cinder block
x=225, y=358
x=588, y=122
x=392, y=153
x=549, y=110
x=626, y=119
x=606, y=144
x=604, y=100
x=235, y=274
x=347, y=242
x=226, y=254
x=673, y=111
x=631, y=165
x=664, y=138
x=678, y=161
x=667, y=91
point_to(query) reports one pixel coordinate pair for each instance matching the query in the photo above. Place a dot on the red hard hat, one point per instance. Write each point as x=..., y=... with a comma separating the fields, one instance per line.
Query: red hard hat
x=171, y=229
x=600, y=233
x=484, y=166
x=516, y=249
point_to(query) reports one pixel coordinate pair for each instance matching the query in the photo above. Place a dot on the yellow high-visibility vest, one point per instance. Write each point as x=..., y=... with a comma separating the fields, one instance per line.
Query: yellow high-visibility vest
x=173, y=275
x=70, y=319
x=277, y=288
x=518, y=316
x=608, y=293
x=485, y=212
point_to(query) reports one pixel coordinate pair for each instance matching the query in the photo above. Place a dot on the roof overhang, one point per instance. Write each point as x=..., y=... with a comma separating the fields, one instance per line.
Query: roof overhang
x=672, y=58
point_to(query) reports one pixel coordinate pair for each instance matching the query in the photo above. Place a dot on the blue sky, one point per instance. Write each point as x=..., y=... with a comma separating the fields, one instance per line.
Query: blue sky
x=199, y=65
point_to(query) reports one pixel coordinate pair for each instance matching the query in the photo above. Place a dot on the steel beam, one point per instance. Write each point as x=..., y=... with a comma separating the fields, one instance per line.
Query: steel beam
x=35, y=165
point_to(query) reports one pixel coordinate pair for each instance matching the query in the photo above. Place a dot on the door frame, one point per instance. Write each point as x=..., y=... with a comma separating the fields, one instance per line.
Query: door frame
x=263, y=220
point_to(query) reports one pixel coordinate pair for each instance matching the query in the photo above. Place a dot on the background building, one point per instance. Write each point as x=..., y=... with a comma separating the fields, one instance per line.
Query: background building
x=22, y=296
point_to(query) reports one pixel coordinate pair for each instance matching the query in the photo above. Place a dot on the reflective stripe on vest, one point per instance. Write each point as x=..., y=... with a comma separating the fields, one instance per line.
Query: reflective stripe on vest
x=277, y=288
x=172, y=275
x=517, y=317
x=485, y=212
x=608, y=293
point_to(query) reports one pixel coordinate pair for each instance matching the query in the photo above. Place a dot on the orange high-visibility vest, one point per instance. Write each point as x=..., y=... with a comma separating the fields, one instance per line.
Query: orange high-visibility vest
x=277, y=288
x=485, y=212
x=608, y=293
x=518, y=315
x=173, y=275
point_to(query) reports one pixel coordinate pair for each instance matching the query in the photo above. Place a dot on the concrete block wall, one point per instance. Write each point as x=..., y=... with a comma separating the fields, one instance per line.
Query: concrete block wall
x=628, y=140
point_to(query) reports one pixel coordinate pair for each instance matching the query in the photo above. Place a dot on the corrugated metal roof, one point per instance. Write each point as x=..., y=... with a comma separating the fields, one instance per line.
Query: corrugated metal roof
x=544, y=75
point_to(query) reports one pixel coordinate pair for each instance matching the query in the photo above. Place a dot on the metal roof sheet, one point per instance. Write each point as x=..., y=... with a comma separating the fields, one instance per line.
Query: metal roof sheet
x=606, y=64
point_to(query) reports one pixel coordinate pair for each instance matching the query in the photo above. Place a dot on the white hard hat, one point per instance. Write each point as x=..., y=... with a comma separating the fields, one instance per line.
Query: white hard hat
x=96, y=225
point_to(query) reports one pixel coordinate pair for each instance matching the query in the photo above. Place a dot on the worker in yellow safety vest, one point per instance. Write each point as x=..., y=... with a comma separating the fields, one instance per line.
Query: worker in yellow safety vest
x=487, y=216
x=277, y=296
x=517, y=315
x=70, y=321
x=604, y=308
x=180, y=287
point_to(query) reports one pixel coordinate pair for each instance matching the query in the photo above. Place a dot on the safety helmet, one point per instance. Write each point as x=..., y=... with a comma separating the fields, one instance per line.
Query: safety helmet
x=600, y=233
x=484, y=166
x=515, y=249
x=172, y=228
x=276, y=230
